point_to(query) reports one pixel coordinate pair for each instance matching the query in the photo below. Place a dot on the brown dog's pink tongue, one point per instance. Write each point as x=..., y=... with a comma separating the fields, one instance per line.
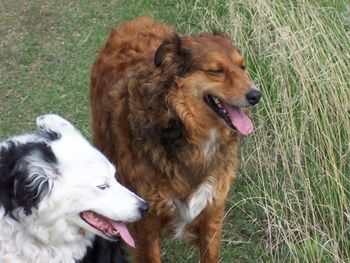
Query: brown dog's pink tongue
x=124, y=233
x=239, y=120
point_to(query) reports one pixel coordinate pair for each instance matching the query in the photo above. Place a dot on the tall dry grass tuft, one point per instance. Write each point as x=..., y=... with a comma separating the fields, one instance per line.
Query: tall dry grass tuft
x=296, y=167
x=297, y=164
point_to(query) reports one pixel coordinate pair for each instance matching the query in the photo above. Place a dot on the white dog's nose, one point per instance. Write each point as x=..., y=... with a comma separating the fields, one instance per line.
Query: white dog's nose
x=143, y=208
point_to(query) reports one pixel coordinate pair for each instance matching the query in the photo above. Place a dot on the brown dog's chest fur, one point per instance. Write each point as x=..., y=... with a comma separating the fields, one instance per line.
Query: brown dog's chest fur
x=165, y=173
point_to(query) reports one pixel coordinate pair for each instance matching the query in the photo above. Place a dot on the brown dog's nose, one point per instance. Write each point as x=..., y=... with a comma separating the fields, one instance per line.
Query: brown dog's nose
x=143, y=208
x=253, y=96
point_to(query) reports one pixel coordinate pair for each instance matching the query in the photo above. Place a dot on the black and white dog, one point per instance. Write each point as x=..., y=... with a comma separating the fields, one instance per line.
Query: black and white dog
x=56, y=193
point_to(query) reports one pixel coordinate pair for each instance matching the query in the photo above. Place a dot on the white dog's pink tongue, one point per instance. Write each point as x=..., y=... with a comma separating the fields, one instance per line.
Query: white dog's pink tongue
x=239, y=120
x=124, y=233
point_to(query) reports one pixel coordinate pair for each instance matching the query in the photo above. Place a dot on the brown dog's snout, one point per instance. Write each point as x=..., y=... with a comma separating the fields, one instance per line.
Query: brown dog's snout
x=143, y=208
x=253, y=96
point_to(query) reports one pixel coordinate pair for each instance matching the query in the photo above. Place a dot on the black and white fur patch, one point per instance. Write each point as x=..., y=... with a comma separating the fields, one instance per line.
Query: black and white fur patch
x=26, y=173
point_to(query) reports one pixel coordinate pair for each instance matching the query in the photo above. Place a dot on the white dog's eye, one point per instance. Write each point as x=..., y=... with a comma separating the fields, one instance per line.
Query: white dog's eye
x=103, y=186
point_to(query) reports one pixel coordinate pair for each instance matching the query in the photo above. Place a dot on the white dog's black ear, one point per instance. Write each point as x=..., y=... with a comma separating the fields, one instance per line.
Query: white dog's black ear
x=54, y=126
x=31, y=190
x=27, y=172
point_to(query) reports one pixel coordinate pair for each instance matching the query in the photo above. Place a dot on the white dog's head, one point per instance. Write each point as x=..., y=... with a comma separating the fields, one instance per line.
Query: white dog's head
x=54, y=180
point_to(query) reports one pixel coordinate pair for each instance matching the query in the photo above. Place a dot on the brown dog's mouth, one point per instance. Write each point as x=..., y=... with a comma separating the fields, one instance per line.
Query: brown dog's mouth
x=110, y=228
x=233, y=116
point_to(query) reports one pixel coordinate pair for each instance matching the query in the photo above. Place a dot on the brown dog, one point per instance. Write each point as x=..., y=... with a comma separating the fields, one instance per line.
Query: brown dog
x=166, y=109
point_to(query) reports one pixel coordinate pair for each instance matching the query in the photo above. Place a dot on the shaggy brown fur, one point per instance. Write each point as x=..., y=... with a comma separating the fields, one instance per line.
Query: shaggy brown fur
x=150, y=118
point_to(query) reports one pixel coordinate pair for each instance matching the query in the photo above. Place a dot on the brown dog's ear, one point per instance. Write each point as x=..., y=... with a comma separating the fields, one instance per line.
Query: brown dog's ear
x=221, y=34
x=171, y=54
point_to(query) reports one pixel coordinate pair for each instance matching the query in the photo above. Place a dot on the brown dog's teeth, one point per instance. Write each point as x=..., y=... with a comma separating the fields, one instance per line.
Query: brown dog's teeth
x=217, y=102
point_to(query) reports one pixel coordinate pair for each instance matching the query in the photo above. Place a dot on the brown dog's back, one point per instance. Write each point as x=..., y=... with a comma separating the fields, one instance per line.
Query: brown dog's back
x=128, y=45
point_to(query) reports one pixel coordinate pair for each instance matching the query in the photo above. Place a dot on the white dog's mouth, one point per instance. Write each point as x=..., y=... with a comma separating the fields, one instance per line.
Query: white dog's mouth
x=112, y=229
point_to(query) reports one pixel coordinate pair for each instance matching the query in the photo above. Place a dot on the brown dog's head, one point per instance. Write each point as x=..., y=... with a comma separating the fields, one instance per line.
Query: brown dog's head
x=211, y=84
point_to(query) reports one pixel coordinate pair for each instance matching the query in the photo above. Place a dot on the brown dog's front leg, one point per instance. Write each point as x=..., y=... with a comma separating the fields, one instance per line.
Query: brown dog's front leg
x=210, y=229
x=147, y=234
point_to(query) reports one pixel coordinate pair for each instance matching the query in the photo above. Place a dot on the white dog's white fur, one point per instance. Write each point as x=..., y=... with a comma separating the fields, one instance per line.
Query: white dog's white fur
x=81, y=179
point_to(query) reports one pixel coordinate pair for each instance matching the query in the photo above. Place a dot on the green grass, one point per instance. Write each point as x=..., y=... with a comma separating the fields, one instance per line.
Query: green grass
x=290, y=202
